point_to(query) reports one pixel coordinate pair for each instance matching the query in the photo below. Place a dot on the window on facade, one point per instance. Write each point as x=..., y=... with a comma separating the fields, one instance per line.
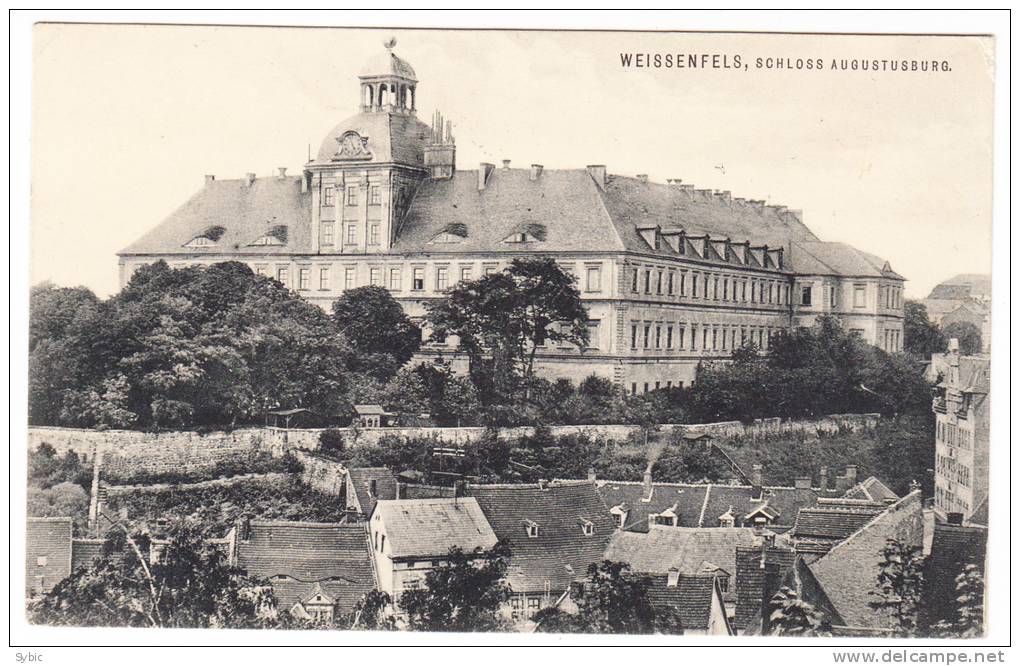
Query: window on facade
x=442, y=278
x=726, y=289
x=648, y=281
x=859, y=296
x=465, y=273
x=375, y=195
x=352, y=234
x=648, y=334
x=327, y=233
x=327, y=196
x=593, y=335
x=324, y=277
x=418, y=279
x=694, y=284
x=805, y=296
x=771, y=289
x=669, y=337
x=705, y=295
x=832, y=297
x=683, y=283
x=40, y=561
x=373, y=233
x=593, y=278
x=304, y=277
x=658, y=337
x=715, y=288
x=724, y=339
x=395, y=279
x=680, y=337
x=670, y=286
x=658, y=283
x=633, y=336
x=704, y=338
x=352, y=195
x=283, y=275
x=743, y=290
x=261, y=270
x=634, y=285
x=375, y=277
x=349, y=277
x=488, y=270
x=633, y=391
x=715, y=336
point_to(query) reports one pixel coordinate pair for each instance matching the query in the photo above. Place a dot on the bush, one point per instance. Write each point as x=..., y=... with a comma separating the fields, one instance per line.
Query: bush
x=332, y=442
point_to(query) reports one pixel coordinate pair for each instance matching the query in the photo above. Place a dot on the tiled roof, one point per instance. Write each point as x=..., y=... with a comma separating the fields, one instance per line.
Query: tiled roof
x=759, y=574
x=848, y=573
x=361, y=479
x=691, y=598
x=566, y=203
x=559, y=510
x=701, y=505
x=245, y=212
x=952, y=548
x=428, y=527
x=831, y=523
x=686, y=549
x=84, y=552
x=48, y=538
x=829, y=258
x=632, y=202
x=421, y=491
x=871, y=489
x=334, y=554
x=963, y=285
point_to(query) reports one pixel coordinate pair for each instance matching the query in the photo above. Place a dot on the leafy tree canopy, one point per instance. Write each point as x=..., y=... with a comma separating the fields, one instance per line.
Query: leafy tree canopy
x=383, y=338
x=967, y=334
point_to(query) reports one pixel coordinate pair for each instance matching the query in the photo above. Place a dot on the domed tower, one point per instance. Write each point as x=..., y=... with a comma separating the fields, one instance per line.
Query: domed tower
x=367, y=167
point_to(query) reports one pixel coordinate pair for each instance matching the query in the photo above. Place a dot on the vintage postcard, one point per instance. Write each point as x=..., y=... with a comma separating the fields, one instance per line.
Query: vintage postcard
x=668, y=334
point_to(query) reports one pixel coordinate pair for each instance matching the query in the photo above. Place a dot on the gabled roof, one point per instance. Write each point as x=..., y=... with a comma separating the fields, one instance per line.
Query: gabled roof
x=246, y=212
x=559, y=510
x=686, y=549
x=691, y=598
x=871, y=489
x=361, y=479
x=848, y=573
x=49, y=538
x=819, y=528
x=334, y=555
x=430, y=527
x=760, y=572
x=84, y=552
x=830, y=258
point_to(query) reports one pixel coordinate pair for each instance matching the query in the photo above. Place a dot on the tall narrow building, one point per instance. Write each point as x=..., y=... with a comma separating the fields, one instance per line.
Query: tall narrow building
x=671, y=274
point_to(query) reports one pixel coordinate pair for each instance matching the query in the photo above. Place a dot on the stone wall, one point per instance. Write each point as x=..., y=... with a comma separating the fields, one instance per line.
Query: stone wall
x=326, y=476
x=126, y=452
x=127, y=489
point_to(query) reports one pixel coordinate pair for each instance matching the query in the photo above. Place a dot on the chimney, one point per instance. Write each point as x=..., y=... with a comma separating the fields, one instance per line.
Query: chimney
x=250, y=177
x=646, y=481
x=756, y=475
x=536, y=171
x=306, y=182
x=244, y=528
x=823, y=478
x=675, y=182
x=506, y=164
x=484, y=169
x=281, y=172
x=851, y=475
x=598, y=174
x=591, y=474
x=642, y=177
x=954, y=518
x=209, y=178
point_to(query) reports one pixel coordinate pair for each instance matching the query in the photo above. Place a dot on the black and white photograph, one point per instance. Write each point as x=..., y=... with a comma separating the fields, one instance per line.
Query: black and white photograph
x=381, y=335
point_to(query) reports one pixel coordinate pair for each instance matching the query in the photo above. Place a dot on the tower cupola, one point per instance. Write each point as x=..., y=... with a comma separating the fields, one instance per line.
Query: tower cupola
x=388, y=83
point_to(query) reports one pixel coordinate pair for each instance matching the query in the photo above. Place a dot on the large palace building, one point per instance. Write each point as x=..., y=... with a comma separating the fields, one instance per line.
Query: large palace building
x=671, y=274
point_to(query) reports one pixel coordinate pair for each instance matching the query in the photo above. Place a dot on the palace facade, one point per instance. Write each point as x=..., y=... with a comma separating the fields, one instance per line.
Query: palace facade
x=670, y=274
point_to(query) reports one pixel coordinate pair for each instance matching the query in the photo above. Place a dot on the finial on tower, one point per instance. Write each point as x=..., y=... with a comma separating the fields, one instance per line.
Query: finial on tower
x=390, y=43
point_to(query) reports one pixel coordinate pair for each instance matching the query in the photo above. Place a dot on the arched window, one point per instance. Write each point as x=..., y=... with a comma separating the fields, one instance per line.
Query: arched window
x=368, y=94
x=383, y=95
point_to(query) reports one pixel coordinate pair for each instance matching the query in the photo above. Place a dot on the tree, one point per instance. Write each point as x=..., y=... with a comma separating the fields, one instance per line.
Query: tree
x=382, y=336
x=901, y=586
x=967, y=334
x=611, y=600
x=921, y=337
x=970, y=609
x=466, y=594
x=790, y=615
x=503, y=319
x=370, y=613
x=189, y=585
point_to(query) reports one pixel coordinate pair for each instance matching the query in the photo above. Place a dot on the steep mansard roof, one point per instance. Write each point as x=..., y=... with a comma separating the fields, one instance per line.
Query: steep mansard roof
x=295, y=556
x=563, y=210
x=561, y=550
x=391, y=137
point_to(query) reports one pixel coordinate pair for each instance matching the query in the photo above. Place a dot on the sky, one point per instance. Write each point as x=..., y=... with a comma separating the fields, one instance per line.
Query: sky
x=128, y=119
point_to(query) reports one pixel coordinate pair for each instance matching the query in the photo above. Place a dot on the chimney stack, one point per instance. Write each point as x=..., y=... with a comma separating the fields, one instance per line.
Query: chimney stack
x=536, y=171
x=598, y=174
x=250, y=177
x=756, y=475
x=643, y=177
x=823, y=478
x=306, y=178
x=506, y=164
x=646, y=481
x=484, y=169
x=209, y=178
x=851, y=475
x=954, y=518
x=591, y=474
x=282, y=172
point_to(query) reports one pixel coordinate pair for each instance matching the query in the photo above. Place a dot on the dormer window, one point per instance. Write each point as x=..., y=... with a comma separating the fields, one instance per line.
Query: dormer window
x=620, y=511
x=517, y=238
x=207, y=238
x=532, y=528
x=528, y=233
x=276, y=236
x=673, y=578
x=587, y=527
x=454, y=232
x=371, y=488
